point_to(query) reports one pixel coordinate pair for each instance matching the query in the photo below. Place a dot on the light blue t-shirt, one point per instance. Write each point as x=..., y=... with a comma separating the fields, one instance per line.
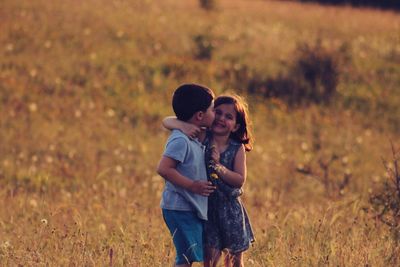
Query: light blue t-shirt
x=190, y=156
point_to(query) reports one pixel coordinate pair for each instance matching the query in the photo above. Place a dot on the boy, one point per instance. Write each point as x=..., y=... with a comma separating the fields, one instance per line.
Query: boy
x=184, y=199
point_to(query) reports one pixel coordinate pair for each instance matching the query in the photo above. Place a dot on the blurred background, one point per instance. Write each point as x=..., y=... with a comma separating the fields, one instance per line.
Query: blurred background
x=84, y=86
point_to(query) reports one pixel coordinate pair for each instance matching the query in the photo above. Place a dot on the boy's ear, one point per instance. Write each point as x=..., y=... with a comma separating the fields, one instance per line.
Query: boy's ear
x=199, y=115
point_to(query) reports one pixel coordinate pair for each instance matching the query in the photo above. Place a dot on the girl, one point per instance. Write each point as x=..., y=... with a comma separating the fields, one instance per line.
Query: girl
x=228, y=226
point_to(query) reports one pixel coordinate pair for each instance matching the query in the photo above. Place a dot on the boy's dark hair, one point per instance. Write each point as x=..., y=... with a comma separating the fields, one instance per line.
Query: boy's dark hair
x=191, y=98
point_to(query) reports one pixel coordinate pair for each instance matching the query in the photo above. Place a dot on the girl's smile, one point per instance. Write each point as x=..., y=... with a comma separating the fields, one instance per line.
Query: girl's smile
x=225, y=119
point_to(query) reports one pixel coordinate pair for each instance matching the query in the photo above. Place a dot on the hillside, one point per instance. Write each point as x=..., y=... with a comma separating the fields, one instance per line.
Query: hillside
x=84, y=86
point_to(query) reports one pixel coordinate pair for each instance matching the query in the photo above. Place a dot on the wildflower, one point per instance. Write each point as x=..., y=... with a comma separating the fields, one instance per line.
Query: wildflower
x=71, y=154
x=6, y=245
x=33, y=107
x=212, y=165
x=140, y=85
x=120, y=34
x=33, y=73
x=122, y=192
x=271, y=216
x=10, y=47
x=157, y=46
x=300, y=167
x=110, y=113
x=32, y=169
x=93, y=56
x=87, y=31
x=47, y=44
x=49, y=159
x=376, y=178
x=304, y=146
x=102, y=227
x=33, y=203
x=67, y=194
x=118, y=169
x=359, y=140
x=214, y=175
x=91, y=105
x=78, y=113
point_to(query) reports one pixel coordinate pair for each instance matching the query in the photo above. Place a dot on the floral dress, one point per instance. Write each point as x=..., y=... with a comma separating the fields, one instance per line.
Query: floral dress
x=228, y=226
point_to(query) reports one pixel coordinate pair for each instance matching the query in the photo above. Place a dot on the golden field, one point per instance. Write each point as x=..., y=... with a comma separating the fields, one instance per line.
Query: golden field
x=84, y=86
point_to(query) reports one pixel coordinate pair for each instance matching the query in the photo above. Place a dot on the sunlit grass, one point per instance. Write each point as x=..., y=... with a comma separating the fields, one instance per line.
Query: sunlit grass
x=83, y=88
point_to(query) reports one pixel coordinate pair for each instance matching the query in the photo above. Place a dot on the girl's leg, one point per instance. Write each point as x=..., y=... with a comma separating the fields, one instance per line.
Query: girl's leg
x=212, y=256
x=227, y=260
x=234, y=260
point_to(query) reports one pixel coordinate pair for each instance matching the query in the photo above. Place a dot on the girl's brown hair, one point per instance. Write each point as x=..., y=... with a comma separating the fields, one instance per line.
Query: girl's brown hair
x=242, y=135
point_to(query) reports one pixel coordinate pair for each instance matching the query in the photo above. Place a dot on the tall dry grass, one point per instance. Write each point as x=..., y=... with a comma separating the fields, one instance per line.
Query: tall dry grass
x=83, y=88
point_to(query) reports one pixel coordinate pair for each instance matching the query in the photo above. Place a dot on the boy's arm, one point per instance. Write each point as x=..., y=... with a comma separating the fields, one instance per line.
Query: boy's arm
x=237, y=177
x=167, y=169
x=189, y=129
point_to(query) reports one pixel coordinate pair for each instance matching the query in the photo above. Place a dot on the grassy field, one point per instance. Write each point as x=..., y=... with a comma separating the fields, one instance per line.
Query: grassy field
x=84, y=86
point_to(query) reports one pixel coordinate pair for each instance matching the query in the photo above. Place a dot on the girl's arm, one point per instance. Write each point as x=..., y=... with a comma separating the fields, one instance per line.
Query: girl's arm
x=191, y=130
x=237, y=177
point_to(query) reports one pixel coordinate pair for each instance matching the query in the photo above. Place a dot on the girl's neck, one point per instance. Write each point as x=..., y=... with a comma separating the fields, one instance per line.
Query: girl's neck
x=220, y=139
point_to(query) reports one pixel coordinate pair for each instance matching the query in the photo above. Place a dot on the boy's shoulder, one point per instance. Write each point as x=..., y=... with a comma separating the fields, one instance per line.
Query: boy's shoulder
x=177, y=137
x=177, y=134
x=179, y=147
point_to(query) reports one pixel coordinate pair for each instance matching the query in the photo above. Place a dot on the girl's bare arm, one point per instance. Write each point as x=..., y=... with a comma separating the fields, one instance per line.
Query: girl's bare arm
x=237, y=177
x=191, y=130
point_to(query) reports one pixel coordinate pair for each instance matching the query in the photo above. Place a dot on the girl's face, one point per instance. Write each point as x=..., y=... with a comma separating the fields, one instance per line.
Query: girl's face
x=225, y=120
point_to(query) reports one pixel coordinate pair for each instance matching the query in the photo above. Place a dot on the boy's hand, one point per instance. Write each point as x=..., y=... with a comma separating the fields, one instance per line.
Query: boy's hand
x=204, y=188
x=191, y=130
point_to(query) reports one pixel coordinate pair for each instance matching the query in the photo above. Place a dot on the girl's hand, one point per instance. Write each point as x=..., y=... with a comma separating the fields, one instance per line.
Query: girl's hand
x=191, y=130
x=215, y=154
